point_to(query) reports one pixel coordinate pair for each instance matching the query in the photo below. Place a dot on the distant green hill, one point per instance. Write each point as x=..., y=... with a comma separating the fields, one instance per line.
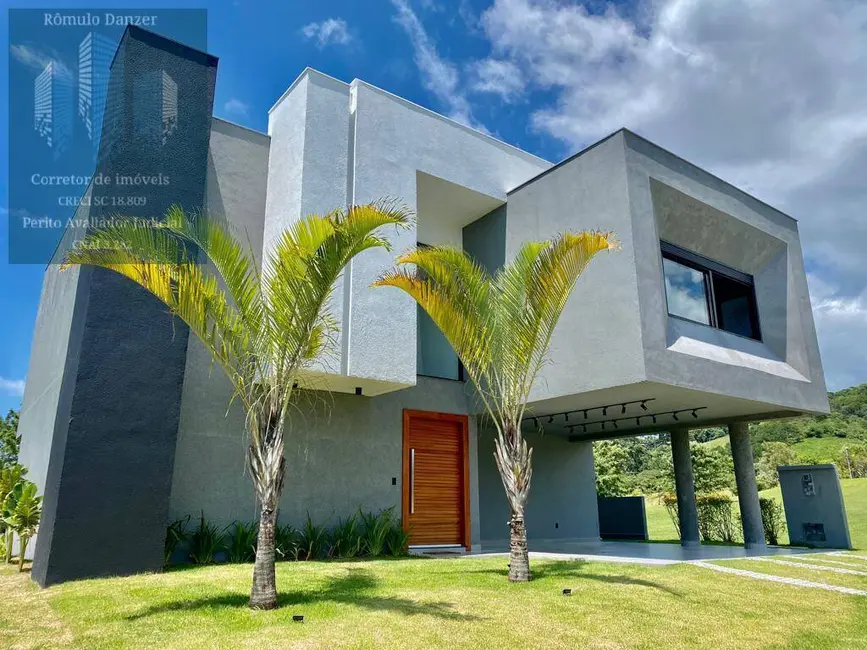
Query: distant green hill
x=847, y=420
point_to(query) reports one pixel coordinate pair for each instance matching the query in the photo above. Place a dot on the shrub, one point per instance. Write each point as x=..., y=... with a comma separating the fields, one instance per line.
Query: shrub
x=376, y=529
x=242, y=542
x=852, y=461
x=206, y=541
x=716, y=521
x=312, y=540
x=286, y=542
x=397, y=540
x=772, y=519
x=669, y=500
x=176, y=534
x=346, y=539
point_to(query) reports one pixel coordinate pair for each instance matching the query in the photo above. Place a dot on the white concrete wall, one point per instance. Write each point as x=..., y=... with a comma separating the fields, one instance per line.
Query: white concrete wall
x=335, y=144
x=393, y=140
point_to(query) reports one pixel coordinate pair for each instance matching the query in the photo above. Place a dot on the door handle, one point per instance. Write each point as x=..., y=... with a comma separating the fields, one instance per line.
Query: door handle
x=412, y=481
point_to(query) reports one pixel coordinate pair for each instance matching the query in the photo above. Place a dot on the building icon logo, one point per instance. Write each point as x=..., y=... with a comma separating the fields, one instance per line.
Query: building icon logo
x=52, y=106
x=154, y=106
x=95, y=54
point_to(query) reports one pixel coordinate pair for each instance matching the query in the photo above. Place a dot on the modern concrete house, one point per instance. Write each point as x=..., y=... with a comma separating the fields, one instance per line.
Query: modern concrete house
x=703, y=318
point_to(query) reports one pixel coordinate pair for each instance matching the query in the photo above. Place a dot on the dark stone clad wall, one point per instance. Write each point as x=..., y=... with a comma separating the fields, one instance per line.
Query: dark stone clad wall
x=622, y=518
x=112, y=450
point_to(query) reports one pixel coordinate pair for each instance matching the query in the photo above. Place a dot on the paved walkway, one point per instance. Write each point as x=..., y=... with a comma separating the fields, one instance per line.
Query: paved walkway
x=782, y=579
x=632, y=552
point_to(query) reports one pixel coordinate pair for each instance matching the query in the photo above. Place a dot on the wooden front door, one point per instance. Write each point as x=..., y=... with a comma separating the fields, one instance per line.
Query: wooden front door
x=436, y=478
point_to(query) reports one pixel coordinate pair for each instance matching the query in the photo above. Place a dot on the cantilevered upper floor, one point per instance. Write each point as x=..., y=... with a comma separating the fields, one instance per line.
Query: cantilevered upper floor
x=704, y=310
x=702, y=317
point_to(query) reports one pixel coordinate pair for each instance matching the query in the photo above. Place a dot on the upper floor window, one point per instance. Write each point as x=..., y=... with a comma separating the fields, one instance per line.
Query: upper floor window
x=707, y=292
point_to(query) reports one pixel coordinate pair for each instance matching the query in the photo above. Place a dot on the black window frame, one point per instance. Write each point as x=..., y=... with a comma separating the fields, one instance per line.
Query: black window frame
x=708, y=267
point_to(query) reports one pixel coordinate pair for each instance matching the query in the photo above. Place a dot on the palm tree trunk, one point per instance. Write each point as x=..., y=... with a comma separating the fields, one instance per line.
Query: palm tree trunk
x=264, y=592
x=9, y=540
x=22, y=549
x=519, y=559
x=513, y=459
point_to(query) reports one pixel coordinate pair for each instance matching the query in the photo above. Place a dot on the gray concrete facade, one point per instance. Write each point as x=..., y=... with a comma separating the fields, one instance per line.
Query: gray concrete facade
x=631, y=348
x=562, y=502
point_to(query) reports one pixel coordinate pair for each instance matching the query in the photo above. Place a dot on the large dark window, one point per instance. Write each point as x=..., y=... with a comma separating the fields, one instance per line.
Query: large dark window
x=706, y=292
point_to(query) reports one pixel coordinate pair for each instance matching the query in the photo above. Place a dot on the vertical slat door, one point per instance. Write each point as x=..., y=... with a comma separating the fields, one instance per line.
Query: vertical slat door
x=434, y=494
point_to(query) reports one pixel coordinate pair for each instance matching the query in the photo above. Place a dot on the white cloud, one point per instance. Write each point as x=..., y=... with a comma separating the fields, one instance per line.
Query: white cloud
x=503, y=78
x=236, y=107
x=36, y=59
x=439, y=76
x=768, y=94
x=841, y=324
x=14, y=387
x=332, y=31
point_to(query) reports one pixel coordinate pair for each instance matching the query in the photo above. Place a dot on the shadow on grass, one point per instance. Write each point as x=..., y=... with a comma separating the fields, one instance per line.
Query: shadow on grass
x=575, y=569
x=355, y=587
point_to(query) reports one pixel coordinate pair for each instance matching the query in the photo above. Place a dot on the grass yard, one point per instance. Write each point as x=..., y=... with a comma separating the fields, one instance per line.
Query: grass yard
x=722, y=441
x=660, y=527
x=822, y=450
x=423, y=603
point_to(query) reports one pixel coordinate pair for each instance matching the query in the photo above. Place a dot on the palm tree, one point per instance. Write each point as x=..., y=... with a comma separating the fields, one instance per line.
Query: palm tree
x=9, y=477
x=21, y=512
x=264, y=328
x=500, y=326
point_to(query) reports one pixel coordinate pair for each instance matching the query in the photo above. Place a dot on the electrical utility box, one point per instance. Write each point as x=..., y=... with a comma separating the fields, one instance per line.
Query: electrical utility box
x=813, y=501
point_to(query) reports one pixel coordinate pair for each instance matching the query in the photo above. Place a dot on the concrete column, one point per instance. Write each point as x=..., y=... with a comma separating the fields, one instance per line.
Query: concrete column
x=748, y=492
x=687, y=512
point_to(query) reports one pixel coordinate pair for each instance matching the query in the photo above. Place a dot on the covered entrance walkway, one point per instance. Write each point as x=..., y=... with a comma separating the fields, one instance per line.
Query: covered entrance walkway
x=636, y=552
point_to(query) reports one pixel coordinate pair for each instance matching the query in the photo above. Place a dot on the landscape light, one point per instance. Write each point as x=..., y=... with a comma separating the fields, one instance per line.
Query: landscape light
x=567, y=592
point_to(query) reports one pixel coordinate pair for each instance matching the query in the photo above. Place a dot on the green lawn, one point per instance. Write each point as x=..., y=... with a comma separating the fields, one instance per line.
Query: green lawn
x=421, y=603
x=822, y=450
x=660, y=527
x=722, y=441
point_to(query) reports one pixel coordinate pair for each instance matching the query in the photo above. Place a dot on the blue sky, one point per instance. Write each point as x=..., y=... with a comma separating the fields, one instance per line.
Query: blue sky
x=768, y=94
